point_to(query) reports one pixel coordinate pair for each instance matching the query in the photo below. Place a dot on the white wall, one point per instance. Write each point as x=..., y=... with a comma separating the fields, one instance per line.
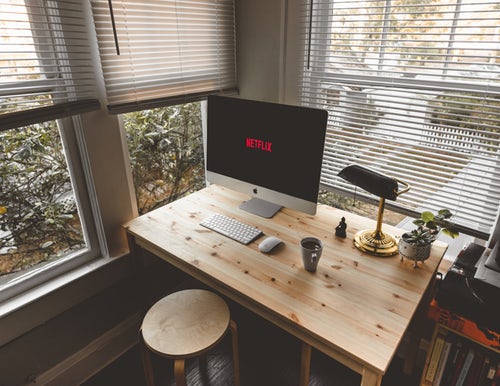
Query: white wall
x=268, y=49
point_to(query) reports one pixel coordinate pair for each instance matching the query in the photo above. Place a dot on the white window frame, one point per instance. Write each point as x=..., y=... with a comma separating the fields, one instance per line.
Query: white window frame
x=16, y=283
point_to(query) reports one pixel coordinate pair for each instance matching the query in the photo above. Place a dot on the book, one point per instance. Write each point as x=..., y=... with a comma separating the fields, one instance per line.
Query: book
x=475, y=369
x=451, y=363
x=484, y=372
x=459, y=363
x=434, y=359
x=443, y=361
x=465, y=368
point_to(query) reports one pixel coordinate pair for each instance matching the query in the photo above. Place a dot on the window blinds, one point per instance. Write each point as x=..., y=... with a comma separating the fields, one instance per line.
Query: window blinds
x=46, y=70
x=413, y=91
x=169, y=51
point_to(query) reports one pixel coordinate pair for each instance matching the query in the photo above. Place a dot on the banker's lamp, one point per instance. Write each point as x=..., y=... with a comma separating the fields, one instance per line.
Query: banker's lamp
x=375, y=242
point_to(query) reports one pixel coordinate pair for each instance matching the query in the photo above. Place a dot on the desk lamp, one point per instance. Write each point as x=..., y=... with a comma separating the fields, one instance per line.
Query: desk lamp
x=375, y=242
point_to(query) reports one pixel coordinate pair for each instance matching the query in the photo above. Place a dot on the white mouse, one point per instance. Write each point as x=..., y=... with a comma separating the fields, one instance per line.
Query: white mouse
x=269, y=243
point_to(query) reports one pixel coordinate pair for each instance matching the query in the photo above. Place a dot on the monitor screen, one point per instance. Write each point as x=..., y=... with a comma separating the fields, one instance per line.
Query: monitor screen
x=271, y=151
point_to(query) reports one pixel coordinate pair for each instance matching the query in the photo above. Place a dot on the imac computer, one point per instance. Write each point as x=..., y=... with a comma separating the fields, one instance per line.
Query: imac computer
x=272, y=152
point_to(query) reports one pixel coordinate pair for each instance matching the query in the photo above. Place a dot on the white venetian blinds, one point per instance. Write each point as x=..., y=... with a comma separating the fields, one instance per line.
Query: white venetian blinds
x=46, y=71
x=413, y=91
x=165, y=51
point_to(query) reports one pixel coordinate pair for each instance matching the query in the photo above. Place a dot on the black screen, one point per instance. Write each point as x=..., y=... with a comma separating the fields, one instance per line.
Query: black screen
x=276, y=146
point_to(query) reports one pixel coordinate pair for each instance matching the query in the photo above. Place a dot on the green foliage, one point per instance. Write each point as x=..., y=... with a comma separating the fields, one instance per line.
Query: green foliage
x=35, y=222
x=429, y=225
x=166, y=153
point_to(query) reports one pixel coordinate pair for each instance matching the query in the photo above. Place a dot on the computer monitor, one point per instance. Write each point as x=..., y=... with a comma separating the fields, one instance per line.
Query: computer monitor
x=272, y=152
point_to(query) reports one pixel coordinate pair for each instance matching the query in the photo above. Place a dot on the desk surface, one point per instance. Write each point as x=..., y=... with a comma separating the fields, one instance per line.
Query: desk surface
x=355, y=308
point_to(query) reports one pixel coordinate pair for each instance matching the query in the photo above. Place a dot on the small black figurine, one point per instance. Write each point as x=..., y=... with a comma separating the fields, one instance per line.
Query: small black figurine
x=340, y=229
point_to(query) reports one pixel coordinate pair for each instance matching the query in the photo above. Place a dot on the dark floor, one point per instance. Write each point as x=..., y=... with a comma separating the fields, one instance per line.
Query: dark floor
x=268, y=357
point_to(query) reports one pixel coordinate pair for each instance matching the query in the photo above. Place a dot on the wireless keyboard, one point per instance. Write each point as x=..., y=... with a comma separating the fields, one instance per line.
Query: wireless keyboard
x=231, y=228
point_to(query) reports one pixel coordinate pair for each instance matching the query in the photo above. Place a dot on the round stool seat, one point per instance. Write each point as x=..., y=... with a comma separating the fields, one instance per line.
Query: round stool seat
x=186, y=323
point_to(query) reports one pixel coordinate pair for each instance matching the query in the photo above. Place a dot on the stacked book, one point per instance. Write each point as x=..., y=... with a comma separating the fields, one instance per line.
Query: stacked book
x=455, y=361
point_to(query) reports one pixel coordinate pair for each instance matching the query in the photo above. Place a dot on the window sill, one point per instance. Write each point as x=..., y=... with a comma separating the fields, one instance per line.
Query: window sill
x=23, y=312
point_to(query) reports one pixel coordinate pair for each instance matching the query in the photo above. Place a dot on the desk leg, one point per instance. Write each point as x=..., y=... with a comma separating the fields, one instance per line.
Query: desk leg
x=370, y=378
x=418, y=328
x=305, y=364
x=413, y=346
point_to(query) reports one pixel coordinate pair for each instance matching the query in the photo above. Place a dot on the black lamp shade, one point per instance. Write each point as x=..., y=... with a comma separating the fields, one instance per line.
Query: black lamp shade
x=371, y=181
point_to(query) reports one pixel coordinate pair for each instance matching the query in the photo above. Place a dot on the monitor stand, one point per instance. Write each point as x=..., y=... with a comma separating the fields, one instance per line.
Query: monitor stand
x=260, y=207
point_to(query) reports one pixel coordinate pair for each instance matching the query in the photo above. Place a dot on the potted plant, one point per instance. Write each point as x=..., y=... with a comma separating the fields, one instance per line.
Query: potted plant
x=416, y=244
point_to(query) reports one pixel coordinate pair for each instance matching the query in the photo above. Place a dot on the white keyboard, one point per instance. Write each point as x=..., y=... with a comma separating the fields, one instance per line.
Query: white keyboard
x=231, y=228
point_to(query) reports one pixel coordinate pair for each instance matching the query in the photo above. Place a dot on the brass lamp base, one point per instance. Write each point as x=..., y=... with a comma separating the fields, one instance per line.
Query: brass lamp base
x=376, y=243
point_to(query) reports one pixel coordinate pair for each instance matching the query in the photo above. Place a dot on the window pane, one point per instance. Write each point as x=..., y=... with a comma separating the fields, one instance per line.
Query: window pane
x=39, y=219
x=166, y=152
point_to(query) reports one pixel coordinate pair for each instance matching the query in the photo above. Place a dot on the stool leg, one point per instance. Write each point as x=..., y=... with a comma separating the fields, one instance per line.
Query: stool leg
x=236, y=355
x=146, y=362
x=179, y=372
x=203, y=368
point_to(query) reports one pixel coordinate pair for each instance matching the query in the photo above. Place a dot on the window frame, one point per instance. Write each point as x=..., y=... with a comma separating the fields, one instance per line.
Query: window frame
x=19, y=282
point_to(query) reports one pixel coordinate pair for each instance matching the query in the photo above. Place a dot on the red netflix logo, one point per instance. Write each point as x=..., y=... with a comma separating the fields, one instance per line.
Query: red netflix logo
x=253, y=143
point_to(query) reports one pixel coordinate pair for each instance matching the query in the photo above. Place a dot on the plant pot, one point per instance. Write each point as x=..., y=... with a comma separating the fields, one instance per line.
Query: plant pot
x=412, y=251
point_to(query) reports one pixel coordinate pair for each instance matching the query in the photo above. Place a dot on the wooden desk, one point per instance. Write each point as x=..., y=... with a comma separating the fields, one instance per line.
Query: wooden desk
x=355, y=308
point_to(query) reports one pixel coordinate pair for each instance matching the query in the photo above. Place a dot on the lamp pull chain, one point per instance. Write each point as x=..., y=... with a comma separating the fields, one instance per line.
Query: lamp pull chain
x=354, y=198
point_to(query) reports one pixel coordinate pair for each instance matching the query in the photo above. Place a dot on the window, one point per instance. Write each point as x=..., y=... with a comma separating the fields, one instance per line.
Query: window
x=46, y=80
x=413, y=91
x=166, y=153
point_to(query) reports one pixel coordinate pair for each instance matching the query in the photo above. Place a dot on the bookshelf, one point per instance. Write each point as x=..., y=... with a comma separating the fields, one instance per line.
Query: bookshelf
x=461, y=353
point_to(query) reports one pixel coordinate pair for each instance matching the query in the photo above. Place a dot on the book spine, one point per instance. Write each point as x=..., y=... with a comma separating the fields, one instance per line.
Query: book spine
x=434, y=360
x=465, y=368
x=452, y=362
x=442, y=362
x=484, y=372
x=475, y=369
x=461, y=353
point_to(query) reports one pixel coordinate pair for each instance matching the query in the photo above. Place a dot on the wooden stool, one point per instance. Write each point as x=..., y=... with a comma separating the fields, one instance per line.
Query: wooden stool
x=184, y=325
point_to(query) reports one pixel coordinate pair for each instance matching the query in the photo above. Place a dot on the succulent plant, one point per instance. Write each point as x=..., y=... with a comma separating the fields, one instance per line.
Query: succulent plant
x=429, y=225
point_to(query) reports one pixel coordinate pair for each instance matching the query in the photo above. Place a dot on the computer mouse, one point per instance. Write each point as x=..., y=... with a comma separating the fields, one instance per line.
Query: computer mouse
x=269, y=243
